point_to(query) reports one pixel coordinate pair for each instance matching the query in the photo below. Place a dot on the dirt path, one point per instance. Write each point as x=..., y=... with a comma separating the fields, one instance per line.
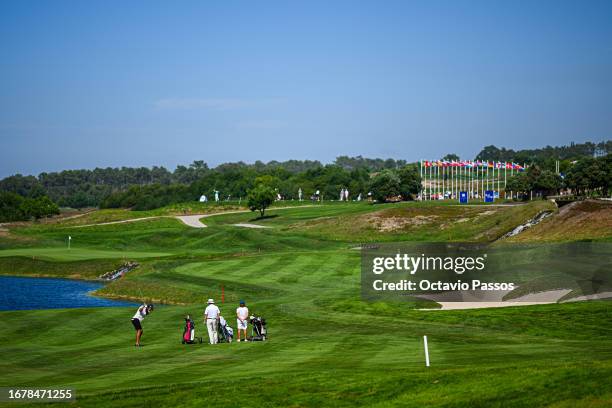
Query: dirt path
x=194, y=220
x=119, y=222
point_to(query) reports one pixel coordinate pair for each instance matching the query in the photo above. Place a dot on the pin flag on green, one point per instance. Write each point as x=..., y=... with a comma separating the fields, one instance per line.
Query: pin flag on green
x=69, y=239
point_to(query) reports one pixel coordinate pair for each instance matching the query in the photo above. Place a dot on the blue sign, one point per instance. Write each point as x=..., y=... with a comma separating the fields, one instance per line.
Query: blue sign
x=463, y=197
x=489, y=196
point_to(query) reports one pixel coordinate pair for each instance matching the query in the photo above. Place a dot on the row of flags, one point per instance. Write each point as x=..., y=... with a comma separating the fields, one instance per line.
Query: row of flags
x=474, y=164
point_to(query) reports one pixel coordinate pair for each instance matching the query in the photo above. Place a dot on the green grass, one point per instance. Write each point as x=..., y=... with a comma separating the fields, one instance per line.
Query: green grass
x=76, y=254
x=27, y=266
x=531, y=356
x=327, y=347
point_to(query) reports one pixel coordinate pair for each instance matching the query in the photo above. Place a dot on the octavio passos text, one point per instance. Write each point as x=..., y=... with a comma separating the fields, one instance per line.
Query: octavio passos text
x=414, y=264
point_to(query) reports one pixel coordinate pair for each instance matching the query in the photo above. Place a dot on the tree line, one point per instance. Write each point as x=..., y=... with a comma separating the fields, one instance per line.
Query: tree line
x=588, y=176
x=147, y=188
x=546, y=157
x=14, y=207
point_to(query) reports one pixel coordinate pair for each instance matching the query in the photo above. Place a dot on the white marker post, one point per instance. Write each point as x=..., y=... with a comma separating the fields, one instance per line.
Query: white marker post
x=426, y=351
x=69, y=239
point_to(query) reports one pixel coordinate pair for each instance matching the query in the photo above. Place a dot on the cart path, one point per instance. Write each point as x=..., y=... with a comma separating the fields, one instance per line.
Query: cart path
x=119, y=222
x=194, y=220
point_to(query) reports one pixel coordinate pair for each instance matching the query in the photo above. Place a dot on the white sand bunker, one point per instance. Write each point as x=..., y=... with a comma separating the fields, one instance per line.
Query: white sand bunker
x=192, y=220
x=247, y=225
x=478, y=299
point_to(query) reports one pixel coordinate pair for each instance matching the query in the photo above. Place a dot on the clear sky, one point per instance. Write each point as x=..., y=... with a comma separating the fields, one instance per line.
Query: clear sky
x=111, y=83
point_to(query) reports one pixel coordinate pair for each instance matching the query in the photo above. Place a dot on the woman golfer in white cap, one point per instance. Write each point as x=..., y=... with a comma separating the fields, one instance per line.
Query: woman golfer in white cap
x=211, y=318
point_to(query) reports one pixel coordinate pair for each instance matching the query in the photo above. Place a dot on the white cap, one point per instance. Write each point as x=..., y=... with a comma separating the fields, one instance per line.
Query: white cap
x=210, y=301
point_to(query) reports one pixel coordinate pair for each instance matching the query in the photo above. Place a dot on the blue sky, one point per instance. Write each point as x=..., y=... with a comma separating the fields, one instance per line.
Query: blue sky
x=86, y=84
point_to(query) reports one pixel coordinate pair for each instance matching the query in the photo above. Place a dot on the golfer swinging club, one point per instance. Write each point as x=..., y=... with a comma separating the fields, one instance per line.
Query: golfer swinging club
x=242, y=314
x=142, y=311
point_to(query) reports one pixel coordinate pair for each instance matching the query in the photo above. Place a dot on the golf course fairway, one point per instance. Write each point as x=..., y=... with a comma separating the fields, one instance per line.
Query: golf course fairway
x=326, y=346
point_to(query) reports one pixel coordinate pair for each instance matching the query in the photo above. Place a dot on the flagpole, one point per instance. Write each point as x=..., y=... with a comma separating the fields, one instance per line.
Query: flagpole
x=437, y=180
x=429, y=180
x=464, y=168
x=462, y=183
x=429, y=196
x=494, y=178
x=505, y=179
x=461, y=178
x=421, y=175
x=453, y=171
x=472, y=183
x=454, y=176
x=443, y=174
x=456, y=179
x=476, y=178
x=452, y=181
x=481, y=181
x=488, y=175
x=426, y=180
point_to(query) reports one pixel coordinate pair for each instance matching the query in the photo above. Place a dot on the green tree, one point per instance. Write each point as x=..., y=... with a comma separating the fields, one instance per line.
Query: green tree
x=260, y=197
x=548, y=182
x=451, y=157
x=518, y=183
x=38, y=207
x=410, y=181
x=385, y=185
x=10, y=207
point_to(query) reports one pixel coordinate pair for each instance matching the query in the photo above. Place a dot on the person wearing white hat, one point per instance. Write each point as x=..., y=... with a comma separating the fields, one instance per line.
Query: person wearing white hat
x=211, y=319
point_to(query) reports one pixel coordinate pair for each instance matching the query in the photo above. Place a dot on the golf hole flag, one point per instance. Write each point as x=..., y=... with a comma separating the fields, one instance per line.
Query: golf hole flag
x=463, y=197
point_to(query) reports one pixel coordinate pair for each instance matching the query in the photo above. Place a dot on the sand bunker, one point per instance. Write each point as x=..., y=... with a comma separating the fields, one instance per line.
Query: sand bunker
x=246, y=225
x=191, y=220
x=478, y=299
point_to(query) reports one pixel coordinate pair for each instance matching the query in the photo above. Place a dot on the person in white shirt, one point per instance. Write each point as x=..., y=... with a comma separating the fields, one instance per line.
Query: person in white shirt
x=211, y=319
x=242, y=314
x=141, y=313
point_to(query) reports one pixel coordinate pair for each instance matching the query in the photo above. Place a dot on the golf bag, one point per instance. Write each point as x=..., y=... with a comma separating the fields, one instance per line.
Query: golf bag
x=189, y=333
x=258, y=329
x=226, y=333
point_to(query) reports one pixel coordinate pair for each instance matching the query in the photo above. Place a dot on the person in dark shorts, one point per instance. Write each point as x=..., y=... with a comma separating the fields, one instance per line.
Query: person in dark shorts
x=143, y=311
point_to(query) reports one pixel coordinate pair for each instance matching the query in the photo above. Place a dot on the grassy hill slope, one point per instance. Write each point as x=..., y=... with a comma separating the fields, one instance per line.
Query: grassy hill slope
x=327, y=347
x=582, y=220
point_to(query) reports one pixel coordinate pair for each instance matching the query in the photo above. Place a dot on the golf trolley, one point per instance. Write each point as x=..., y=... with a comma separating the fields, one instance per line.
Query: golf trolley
x=189, y=333
x=259, y=331
x=225, y=333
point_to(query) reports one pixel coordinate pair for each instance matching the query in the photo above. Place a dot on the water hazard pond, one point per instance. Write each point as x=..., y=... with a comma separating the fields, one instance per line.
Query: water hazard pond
x=19, y=293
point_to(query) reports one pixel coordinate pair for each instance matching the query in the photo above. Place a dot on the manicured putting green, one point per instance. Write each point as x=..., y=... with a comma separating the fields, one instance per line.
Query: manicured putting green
x=77, y=254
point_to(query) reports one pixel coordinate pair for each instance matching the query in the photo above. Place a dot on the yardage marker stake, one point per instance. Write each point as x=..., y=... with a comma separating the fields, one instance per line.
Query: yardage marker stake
x=426, y=351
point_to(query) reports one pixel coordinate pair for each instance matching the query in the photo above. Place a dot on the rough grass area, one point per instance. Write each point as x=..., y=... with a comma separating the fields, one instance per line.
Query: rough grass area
x=426, y=223
x=583, y=220
x=87, y=269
